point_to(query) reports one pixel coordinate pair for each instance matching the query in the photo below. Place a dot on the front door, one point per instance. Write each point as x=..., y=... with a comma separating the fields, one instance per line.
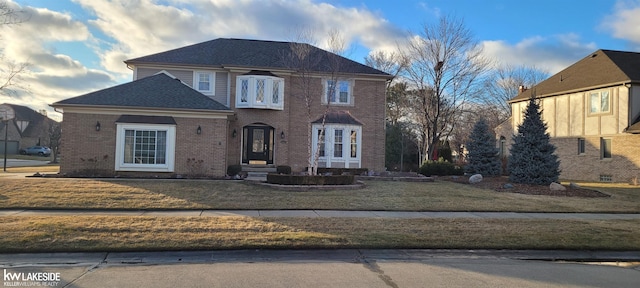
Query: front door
x=258, y=145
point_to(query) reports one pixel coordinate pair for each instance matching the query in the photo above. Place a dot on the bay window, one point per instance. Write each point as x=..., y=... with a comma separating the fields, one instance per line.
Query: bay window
x=260, y=91
x=339, y=145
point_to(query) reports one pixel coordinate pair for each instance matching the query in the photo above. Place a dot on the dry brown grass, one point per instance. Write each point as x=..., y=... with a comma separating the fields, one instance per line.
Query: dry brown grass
x=141, y=233
x=61, y=193
x=50, y=168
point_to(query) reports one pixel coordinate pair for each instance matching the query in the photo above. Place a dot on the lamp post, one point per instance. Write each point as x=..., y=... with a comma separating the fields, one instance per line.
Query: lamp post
x=6, y=114
x=6, y=128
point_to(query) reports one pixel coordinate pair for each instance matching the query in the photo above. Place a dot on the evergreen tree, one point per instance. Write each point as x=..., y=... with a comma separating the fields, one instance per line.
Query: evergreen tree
x=483, y=154
x=532, y=159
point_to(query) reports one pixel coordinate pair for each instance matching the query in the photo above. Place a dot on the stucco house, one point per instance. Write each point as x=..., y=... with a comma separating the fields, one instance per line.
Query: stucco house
x=27, y=128
x=203, y=107
x=592, y=109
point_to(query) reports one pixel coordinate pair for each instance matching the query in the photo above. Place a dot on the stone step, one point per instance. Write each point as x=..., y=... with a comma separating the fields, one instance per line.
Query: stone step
x=261, y=169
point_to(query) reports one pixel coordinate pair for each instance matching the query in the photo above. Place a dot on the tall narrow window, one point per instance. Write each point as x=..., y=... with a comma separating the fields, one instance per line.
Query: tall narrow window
x=260, y=90
x=276, y=92
x=581, y=146
x=337, y=143
x=321, y=142
x=244, y=90
x=344, y=92
x=503, y=147
x=331, y=91
x=354, y=144
x=605, y=148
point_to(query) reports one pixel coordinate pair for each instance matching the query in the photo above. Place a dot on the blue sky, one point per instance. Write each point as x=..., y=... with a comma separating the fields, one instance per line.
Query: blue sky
x=77, y=46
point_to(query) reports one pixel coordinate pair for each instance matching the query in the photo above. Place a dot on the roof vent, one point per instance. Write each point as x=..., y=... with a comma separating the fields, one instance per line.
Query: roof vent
x=594, y=55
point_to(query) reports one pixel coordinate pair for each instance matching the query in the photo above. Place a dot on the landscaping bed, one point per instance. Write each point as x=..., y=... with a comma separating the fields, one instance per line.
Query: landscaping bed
x=498, y=184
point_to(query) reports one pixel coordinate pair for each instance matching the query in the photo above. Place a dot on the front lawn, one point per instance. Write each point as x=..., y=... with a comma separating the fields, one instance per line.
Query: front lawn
x=122, y=233
x=64, y=193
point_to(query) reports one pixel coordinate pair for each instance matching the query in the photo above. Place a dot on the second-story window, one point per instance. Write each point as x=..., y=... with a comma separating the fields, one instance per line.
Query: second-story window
x=260, y=91
x=204, y=81
x=337, y=92
x=599, y=102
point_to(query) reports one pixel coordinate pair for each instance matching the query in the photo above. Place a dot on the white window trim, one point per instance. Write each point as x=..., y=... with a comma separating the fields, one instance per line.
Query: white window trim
x=325, y=97
x=268, y=92
x=329, y=142
x=171, y=145
x=196, y=81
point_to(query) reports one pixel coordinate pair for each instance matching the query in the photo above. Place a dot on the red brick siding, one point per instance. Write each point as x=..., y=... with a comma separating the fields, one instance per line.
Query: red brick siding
x=81, y=142
x=369, y=108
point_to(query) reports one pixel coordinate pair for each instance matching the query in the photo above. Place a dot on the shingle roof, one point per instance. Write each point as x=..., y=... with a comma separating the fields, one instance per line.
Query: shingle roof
x=252, y=54
x=600, y=68
x=338, y=117
x=35, y=119
x=157, y=91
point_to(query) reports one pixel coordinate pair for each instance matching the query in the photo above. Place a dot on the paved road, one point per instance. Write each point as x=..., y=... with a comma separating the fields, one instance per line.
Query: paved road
x=22, y=163
x=323, y=213
x=328, y=268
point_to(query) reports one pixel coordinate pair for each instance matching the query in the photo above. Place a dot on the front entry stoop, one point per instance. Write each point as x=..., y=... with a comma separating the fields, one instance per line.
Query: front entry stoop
x=258, y=172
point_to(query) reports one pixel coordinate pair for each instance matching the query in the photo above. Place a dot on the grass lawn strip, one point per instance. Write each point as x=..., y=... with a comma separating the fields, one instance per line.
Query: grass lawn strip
x=61, y=193
x=141, y=233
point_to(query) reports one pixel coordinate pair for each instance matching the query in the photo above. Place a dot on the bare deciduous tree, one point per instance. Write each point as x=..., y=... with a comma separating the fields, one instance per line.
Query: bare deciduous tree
x=10, y=70
x=54, y=133
x=504, y=84
x=445, y=64
x=308, y=64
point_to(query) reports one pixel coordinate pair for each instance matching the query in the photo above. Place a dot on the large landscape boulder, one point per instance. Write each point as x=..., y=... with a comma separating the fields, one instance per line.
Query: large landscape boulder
x=475, y=178
x=556, y=187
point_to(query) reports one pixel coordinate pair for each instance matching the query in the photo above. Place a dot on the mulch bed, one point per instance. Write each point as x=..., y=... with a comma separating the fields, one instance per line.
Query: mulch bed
x=497, y=184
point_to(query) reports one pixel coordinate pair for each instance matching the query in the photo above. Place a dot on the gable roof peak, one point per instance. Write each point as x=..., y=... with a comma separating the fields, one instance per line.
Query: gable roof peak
x=598, y=69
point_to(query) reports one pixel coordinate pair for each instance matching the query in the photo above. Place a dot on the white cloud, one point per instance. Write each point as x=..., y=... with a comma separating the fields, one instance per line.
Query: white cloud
x=624, y=22
x=51, y=76
x=552, y=53
x=144, y=27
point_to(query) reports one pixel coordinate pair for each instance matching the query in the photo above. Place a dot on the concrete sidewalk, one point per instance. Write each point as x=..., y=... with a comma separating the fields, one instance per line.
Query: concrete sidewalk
x=323, y=214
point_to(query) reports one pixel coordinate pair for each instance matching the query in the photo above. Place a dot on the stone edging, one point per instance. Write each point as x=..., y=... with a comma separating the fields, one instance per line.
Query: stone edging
x=302, y=188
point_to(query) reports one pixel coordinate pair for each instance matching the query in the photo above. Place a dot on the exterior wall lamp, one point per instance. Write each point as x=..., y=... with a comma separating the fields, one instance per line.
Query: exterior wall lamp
x=199, y=130
x=234, y=133
x=98, y=126
x=282, y=135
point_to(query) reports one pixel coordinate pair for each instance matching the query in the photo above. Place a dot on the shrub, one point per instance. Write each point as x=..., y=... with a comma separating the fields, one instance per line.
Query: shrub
x=440, y=168
x=310, y=180
x=233, y=170
x=343, y=171
x=283, y=169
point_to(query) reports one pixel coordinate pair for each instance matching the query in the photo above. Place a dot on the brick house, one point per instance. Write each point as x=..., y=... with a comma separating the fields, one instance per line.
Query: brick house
x=27, y=128
x=199, y=108
x=592, y=110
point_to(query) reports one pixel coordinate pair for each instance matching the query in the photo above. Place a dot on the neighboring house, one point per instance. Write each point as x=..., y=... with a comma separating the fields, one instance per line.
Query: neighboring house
x=592, y=111
x=200, y=108
x=27, y=128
